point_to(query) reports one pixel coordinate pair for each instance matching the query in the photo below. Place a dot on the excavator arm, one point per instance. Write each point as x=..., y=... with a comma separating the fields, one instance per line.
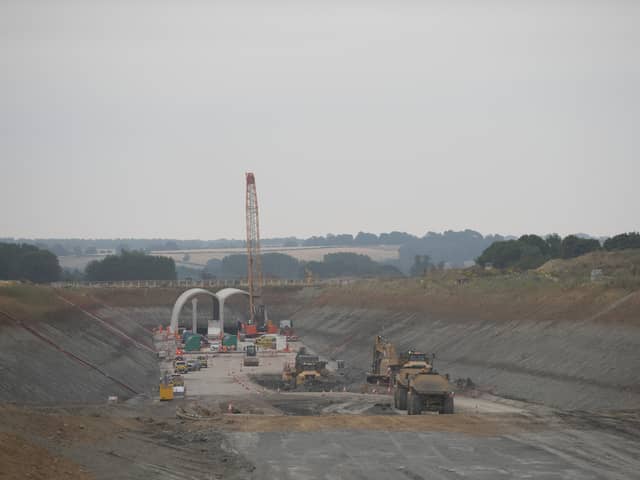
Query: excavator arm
x=384, y=359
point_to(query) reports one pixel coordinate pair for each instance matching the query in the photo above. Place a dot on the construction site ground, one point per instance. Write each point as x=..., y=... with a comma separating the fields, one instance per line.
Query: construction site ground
x=229, y=426
x=56, y=423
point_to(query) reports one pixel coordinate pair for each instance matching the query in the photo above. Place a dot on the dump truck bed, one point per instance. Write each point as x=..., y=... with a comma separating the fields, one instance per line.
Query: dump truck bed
x=431, y=384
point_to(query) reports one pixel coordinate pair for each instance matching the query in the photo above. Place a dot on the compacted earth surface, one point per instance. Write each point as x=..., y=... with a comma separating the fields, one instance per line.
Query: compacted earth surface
x=63, y=360
x=235, y=428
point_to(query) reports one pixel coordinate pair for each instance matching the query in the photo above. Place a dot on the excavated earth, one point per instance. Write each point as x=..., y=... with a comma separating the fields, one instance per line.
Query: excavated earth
x=552, y=396
x=589, y=362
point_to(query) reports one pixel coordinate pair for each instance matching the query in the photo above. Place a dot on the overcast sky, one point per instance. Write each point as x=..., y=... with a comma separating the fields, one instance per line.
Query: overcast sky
x=139, y=119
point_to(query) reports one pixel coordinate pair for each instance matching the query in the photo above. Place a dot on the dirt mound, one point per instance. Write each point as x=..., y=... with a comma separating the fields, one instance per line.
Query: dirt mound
x=113, y=442
x=21, y=459
x=613, y=262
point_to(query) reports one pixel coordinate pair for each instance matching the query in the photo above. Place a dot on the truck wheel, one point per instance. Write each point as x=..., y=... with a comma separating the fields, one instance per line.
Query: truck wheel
x=402, y=397
x=447, y=407
x=410, y=404
x=415, y=403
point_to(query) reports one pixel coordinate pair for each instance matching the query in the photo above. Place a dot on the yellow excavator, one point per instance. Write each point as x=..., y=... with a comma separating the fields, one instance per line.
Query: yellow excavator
x=386, y=362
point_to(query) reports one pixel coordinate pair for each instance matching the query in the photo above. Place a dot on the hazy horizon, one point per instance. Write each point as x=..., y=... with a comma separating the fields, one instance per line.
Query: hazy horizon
x=139, y=120
x=242, y=239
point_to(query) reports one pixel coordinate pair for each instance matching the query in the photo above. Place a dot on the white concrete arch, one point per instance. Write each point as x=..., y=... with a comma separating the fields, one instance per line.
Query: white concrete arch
x=222, y=296
x=227, y=292
x=218, y=297
x=184, y=298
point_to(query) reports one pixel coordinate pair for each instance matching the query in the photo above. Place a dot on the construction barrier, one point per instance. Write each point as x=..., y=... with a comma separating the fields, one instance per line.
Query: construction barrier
x=199, y=283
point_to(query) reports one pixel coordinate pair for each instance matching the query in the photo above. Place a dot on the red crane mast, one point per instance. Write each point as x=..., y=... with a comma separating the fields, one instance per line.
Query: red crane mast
x=256, y=307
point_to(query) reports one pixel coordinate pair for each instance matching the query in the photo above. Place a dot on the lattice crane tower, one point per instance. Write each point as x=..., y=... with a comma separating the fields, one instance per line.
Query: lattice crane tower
x=256, y=307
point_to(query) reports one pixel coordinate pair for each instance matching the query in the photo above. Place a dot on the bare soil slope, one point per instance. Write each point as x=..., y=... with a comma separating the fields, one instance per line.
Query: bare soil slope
x=551, y=336
x=53, y=351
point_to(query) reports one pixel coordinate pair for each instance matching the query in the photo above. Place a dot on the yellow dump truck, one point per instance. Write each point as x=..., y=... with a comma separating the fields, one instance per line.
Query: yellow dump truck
x=418, y=387
x=307, y=369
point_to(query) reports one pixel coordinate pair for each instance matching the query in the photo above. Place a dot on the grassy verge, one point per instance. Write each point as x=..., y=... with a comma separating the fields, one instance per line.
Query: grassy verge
x=25, y=301
x=560, y=290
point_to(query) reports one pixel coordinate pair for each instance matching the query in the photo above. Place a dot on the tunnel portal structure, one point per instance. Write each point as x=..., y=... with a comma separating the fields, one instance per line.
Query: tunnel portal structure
x=218, y=306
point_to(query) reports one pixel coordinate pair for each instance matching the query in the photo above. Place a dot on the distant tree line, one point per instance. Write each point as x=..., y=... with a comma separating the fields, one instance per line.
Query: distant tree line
x=81, y=246
x=274, y=265
x=278, y=265
x=346, y=264
x=84, y=246
x=27, y=262
x=360, y=239
x=531, y=251
x=623, y=241
x=452, y=248
x=131, y=265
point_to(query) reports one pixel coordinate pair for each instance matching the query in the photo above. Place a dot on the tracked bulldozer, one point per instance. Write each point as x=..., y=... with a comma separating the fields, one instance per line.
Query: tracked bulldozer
x=385, y=363
x=418, y=387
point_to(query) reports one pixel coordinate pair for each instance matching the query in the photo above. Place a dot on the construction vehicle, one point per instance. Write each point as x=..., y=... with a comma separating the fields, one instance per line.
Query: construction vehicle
x=271, y=328
x=306, y=370
x=257, y=311
x=180, y=366
x=166, y=388
x=266, y=342
x=179, y=389
x=249, y=330
x=251, y=356
x=258, y=322
x=385, y=362
x=418, y=387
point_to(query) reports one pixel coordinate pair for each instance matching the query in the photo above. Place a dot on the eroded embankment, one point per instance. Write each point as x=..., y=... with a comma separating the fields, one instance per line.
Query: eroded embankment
x=574, y=348
x=57, y=348
x=548, y=354
x=62, y=346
